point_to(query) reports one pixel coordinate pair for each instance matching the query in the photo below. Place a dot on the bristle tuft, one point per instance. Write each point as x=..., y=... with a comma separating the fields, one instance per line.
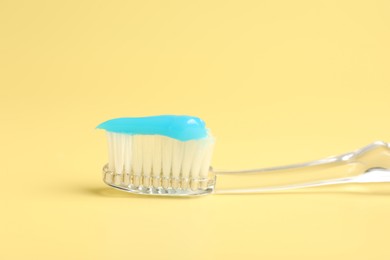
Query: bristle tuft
x=158, y=161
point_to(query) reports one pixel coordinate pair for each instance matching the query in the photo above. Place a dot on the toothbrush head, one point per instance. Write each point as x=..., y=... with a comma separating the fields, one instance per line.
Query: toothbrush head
x=159, y=155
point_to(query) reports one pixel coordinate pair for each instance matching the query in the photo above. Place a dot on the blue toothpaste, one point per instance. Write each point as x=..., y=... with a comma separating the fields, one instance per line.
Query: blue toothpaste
x=182, y=128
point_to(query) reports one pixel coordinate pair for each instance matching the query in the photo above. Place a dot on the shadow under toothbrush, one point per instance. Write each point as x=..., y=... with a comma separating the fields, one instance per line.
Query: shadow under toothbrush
x=114, y=193
x=367, y=189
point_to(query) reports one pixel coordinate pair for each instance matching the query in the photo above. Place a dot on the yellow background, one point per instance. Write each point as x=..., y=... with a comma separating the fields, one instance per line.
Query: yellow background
x=277, y=82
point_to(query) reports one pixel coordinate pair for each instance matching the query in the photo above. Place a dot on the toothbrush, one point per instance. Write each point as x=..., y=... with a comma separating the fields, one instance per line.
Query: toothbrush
x=171, y=155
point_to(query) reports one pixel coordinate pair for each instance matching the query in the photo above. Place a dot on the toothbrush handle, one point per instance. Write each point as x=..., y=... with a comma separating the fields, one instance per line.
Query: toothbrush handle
x=353, y=167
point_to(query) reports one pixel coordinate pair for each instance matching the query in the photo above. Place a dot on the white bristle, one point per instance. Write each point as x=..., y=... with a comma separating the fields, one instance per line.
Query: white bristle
x=166, y=155
x=128, y=151
x=120, y=149
x=189, y=153
x=111, y=153
x=147, y=154
x=159, y=161
x=136, y=164
x=177, y=157
x=205, y=166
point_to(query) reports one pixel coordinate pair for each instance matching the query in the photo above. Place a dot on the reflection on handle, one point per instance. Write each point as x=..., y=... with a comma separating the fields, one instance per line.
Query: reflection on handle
x=353, y=167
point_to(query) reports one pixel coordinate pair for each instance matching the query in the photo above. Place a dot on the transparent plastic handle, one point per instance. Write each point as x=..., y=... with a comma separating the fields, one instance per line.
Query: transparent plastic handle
x=368, y=164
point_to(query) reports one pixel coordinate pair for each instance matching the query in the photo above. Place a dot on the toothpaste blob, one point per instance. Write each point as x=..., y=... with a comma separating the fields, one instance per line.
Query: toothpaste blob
x=182, y=128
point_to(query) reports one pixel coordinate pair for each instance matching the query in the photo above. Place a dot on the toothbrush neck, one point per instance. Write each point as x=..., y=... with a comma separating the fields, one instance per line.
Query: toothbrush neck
x=354, y=167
